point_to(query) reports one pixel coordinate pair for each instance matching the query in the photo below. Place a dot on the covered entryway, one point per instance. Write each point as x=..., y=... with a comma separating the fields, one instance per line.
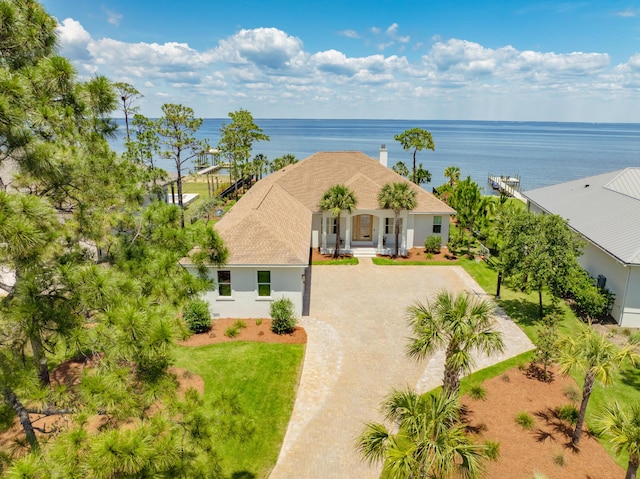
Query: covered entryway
x=362, y=227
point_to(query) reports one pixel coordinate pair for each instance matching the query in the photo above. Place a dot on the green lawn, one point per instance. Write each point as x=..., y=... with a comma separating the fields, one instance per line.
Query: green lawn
x=265, y=377
x=338, y=261
x=392, y=262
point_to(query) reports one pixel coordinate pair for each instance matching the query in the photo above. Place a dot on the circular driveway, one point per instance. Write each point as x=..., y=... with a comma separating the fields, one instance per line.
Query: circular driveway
x=357, y=333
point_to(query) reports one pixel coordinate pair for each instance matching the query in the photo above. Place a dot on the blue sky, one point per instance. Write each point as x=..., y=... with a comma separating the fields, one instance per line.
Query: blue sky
x=479, y=60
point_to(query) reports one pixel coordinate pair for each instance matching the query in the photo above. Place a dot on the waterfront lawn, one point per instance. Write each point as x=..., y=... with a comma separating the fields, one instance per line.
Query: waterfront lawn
x=264, y=376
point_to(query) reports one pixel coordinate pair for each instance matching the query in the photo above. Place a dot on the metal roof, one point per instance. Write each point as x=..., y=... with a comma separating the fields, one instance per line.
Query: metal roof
x=605, y=209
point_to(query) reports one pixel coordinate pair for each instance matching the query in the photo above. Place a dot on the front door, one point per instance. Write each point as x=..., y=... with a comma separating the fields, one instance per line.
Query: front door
x=362, y=228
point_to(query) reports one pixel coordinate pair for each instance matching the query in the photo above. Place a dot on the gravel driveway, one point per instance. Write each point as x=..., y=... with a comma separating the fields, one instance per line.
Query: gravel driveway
x=357, y=333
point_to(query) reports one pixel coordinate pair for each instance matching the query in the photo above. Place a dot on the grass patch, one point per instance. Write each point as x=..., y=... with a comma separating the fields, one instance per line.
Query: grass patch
x=264, y=376
x=476, y=379
x=525, y=420
x=337, y=261
x=393, y=262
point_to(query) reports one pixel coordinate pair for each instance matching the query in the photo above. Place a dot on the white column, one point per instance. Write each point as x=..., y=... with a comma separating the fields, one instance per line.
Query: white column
x=347, y=239
x=380, y=234
x=403, y=243
x=324, y=233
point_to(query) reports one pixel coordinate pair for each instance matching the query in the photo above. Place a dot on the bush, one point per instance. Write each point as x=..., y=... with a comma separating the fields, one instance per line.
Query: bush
x=568, y=413
x=492, y=450
x=433, y=243
x=232, y=331
x=525, y=420
x=283, y=318
x=478, y=392
x=196, y=314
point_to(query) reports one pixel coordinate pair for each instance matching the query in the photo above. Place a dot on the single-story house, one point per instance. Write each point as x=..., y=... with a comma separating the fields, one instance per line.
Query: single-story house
x=605, y=210
x=270, y=231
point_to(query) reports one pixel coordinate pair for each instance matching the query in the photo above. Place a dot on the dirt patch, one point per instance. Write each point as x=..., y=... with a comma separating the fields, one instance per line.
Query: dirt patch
x=545, y=448
x=251, y=332
x=414, y=254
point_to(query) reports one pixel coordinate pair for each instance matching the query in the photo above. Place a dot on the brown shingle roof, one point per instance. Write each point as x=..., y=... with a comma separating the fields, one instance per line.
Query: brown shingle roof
x=271, y=223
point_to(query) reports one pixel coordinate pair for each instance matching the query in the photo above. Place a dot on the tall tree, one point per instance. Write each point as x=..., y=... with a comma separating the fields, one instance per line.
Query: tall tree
x=591, y=353
x=453, y=173
x=428, y=439
x=337, y=199
x=128, y=96
x=416, y=139
x=621, y=425
x=236, y=140
x=176, y=130
x=462, y=325
x=538, y=251
x=398, y=197
x=282, y=161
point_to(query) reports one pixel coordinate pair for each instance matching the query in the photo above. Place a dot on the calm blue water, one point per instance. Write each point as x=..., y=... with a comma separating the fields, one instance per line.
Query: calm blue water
x=542, y=153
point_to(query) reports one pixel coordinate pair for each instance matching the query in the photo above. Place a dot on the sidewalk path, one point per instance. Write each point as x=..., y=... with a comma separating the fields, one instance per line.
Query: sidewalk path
x=357, y=332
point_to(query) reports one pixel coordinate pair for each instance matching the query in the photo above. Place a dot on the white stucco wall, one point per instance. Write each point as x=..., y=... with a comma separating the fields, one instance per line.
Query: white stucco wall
x=423, y=227
x=631, y=313
x=316, y=230
x=244, y=301
x=623, y=281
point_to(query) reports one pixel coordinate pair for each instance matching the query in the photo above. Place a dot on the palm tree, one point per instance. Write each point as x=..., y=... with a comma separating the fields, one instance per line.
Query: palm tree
x=430, y=440
x=462, y=325
x=337, y=199
x=401, y=169
x=591, y=353
x=453, y=173
x=622, y=427
x=397, y=196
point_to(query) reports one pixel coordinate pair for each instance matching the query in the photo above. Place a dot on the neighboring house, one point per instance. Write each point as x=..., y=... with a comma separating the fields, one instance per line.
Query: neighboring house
x=605, y=210
x=270, y=231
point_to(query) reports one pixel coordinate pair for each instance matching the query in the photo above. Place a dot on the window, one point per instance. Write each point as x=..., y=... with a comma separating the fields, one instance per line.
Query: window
x=437, y=224
x=388, y=226
x=264, y=283
x=330, y=225
x=224, y=283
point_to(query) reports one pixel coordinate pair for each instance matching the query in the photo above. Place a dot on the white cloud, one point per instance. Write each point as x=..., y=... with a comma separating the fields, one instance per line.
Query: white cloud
x=349, y=34
x=113, y=17
x=268, y=71
x=73, y=39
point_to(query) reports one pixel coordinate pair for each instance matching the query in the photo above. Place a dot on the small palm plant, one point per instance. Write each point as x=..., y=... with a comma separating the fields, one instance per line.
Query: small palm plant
x=621, y=425
x=430, y=440
x=461, y=324
x=594, y=355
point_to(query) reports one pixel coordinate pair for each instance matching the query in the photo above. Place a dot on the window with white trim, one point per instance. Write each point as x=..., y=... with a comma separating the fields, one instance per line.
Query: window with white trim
x=264, y=283
x=388, y=226
x=330, y=225
x=437, y=224
x=224, y=283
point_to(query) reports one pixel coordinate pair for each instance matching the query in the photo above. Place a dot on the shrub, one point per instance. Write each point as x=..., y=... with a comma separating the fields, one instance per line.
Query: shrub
x=283, y=317
x=433, y=243
x=525, y=420
x=258, y=321
x=492, y=450
x=568, y=413
x=196, y=314
x=239, y=324
x=572, y=394
x=558, y=459
x=478, y=392
x=231, y=331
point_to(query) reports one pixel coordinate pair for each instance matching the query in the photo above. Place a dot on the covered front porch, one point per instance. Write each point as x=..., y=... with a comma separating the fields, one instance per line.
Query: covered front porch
x=362, y=233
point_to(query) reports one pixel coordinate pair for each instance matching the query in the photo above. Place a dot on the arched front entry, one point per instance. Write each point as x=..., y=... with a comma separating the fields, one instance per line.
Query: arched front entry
x=362, y=228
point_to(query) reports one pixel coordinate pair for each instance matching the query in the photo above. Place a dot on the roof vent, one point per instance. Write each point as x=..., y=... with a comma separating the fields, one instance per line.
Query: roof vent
x=587, y=185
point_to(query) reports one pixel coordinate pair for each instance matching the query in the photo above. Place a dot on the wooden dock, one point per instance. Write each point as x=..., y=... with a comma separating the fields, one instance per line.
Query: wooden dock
x=508, y=185
x=212, y=169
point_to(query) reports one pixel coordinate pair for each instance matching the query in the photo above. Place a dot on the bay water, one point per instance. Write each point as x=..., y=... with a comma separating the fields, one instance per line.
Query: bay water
x=541, y=153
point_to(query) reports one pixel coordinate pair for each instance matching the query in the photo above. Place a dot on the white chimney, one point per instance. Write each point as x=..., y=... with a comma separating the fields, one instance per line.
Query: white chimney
x=383, y=155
